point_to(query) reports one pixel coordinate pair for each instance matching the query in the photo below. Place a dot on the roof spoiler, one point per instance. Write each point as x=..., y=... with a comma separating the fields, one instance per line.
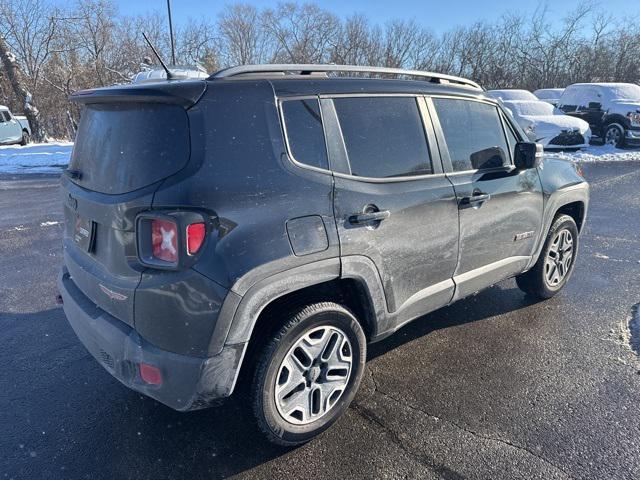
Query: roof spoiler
x=183, y=93
x=309, y=69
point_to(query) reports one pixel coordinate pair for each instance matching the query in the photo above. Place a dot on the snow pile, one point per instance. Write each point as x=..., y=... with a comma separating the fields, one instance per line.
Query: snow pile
x=605, y=153
x=35, y=158
x=53, y=157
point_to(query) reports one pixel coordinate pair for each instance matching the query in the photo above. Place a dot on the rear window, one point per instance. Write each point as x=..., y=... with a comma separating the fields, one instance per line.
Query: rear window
x=305, y=135
x=474, y=134
x=123, y=147
x=533, y=109
x=384, y=136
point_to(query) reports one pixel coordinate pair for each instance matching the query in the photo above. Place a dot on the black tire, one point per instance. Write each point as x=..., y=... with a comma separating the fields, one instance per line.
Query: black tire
x=25, y=138
x=535, y=281
x=269, y=360
x=614, y=135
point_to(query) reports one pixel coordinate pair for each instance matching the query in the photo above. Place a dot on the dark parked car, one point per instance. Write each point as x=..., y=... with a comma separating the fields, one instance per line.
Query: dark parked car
x=252, y=232
x=612, y=110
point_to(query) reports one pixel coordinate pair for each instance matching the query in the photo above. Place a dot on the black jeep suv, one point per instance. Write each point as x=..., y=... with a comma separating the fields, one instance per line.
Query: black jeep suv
x=255, y=230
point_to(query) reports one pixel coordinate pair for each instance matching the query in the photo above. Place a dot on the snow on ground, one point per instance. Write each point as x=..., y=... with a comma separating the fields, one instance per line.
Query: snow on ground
x=35, y=158
x=53, y=157
x=604, y=153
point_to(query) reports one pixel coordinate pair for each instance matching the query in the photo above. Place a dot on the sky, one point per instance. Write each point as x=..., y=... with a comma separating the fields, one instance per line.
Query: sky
x=439, y=15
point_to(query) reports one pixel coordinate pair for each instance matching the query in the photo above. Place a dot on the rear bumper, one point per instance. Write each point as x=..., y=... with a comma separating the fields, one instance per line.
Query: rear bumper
x=188, y=383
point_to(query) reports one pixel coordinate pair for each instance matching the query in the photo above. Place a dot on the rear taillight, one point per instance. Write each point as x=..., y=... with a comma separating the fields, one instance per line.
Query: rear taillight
x=164, y=240
x=150, y=374
x=195, y=237
x=170, y=240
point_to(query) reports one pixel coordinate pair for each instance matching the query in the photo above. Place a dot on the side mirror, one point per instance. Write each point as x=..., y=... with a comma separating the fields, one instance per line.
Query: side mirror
x=492, y=157
x=594, y=106
x=527, y=155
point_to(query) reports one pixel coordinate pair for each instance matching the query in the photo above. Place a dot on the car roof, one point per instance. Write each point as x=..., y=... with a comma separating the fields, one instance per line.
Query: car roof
x=303, y=85
x=2, y=107
x=601, y=84
x=313, y=79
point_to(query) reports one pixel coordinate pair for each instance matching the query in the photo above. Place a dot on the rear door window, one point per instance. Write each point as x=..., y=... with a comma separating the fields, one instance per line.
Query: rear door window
x=304, y=132
x=473, y=132
x=384, y=136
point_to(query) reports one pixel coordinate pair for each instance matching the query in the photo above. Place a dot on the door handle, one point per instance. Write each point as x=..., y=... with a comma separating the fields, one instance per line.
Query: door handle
x=474, y=200
x=360, y=218
x=481, y=197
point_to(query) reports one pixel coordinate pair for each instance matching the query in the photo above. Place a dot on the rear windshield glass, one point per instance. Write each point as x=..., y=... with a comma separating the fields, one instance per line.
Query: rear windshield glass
x=120, y=148
x=511, y=94
x=530, y=108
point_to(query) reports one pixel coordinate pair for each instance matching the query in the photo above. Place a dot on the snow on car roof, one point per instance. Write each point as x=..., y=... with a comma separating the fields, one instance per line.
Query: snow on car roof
x=512, y=94
x=529, y=107
x=583, y=93
x=548, y=93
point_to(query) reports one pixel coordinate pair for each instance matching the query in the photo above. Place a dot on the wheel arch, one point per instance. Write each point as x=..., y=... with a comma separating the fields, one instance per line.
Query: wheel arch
x=572, y=200
x=576, y=210
x=258, y=324
x=313, y=282
x=615, y=119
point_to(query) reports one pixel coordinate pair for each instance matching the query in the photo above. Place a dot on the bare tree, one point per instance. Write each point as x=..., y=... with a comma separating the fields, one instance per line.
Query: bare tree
x=20, y=90
x=52, y=51
x=241, y=36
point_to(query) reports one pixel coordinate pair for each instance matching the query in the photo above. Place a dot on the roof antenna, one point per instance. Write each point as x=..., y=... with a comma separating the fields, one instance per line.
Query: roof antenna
x=173, y=46
x=170, y=75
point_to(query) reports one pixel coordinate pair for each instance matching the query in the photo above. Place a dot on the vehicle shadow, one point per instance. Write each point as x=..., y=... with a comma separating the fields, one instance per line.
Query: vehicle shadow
x=491, y=302
x=66, y=417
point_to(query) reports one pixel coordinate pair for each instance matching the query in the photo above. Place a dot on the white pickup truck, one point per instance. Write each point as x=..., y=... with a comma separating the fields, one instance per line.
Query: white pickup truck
x=13, y=129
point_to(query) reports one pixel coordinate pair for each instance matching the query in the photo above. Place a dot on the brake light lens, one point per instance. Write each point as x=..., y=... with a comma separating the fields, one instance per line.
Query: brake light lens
x=150, y=374
x=195, y=237
x=164, y=239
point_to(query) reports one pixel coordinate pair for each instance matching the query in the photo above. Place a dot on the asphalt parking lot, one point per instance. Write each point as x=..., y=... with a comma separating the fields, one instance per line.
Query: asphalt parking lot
x=495, y=386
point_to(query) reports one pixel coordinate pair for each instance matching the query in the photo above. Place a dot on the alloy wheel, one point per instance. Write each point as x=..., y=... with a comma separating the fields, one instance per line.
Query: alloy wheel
x=559, y=258
x=613, y=136
x=313, y=375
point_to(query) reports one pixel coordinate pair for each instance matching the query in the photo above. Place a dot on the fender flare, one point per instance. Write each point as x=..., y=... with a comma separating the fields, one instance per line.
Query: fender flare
x=558, y=199
x=615, y=119
x=239, y=314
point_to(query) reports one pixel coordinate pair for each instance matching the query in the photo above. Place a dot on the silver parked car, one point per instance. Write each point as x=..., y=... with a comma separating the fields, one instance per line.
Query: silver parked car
x=13, y=129
x=549, y=95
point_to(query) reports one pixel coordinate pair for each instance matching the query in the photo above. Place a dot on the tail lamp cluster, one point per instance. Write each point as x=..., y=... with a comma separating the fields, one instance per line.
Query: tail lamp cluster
x=170, y=240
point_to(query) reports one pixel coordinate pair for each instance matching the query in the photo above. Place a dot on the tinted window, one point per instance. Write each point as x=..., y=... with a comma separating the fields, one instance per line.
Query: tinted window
x=122, y=147
x=4, y=117
x=384, y=136
x=473, y=132
x=304, y=132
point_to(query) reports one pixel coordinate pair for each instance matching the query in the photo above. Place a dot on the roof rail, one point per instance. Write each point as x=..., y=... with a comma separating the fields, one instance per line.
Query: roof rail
x=308, y=69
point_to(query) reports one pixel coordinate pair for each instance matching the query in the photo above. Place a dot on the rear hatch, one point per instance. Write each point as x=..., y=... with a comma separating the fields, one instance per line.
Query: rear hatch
x=129, y=139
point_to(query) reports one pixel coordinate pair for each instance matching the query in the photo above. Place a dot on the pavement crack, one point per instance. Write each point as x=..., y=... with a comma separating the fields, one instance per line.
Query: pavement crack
x=421, y=458
x=372, y=417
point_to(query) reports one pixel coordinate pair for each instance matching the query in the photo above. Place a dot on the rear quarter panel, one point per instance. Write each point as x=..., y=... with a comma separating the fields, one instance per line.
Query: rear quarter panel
x=248, y=186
